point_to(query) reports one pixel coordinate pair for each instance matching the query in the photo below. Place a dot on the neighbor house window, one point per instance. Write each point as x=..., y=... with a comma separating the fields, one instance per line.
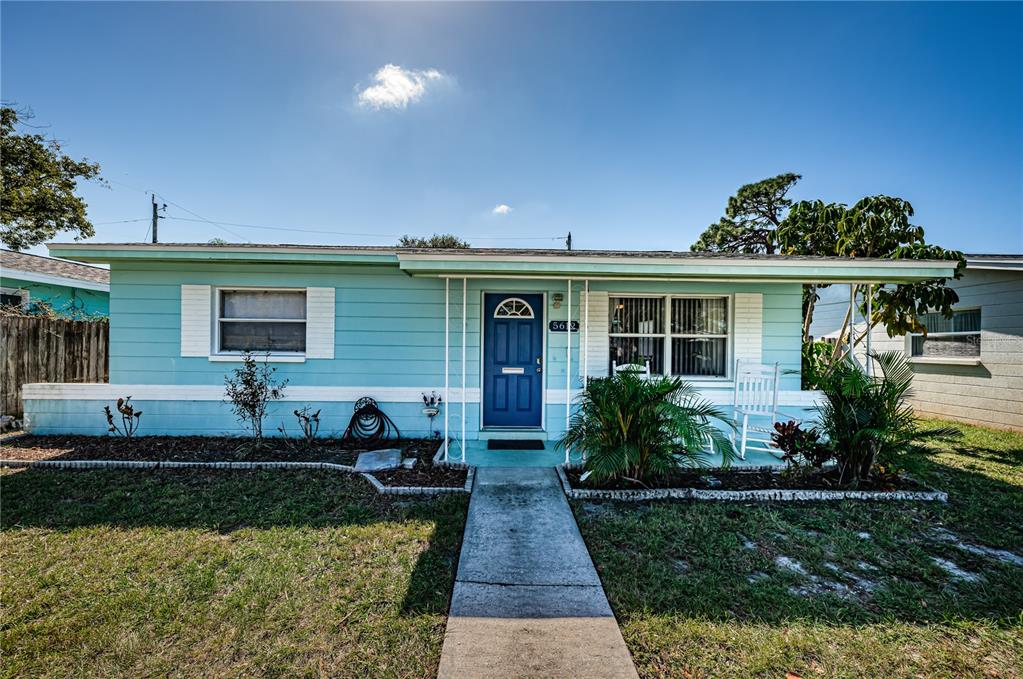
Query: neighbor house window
x=271, y=321
x=674, y=335
x=13, y=297
x=956, y=337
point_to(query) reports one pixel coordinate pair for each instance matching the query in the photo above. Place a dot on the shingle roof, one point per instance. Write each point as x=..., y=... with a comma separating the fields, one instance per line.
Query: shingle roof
x=999, y=257
x=491, y=252
x=50, y=266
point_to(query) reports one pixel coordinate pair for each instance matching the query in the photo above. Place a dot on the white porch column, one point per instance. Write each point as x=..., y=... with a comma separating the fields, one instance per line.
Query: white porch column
x=852, y=319
x=568, y=369
x=464, y=305
x=585, y=344
x=447, y=401
x=870, y=313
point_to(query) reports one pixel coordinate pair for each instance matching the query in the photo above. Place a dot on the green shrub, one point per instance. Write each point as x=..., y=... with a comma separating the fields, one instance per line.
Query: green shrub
x=637, y=428
x=815, y=363
x=802, y=449
x=865, y=419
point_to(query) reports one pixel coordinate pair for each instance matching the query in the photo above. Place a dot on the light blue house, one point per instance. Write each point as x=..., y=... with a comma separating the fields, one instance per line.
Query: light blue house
x=68, y=288
x=506, y=336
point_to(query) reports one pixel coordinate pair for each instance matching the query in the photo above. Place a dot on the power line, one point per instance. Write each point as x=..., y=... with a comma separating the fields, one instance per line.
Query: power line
x=223, y=225
x=122, y=221
x=203, y=219
x=349, y=233
x=286, y=228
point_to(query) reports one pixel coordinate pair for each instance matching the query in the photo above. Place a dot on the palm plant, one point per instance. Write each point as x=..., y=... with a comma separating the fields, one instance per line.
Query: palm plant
x=866, y=419
x=636, y=428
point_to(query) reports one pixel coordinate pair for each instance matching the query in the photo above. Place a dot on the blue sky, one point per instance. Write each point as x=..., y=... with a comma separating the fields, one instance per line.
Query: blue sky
x=629, y=125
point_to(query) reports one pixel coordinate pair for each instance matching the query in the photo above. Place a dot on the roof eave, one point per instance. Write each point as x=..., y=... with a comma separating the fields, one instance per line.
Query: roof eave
x=839, y=271
x=419, y=263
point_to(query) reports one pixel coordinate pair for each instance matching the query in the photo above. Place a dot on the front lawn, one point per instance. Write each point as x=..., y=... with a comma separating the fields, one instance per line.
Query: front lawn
x=201, y=573
x=827, y=589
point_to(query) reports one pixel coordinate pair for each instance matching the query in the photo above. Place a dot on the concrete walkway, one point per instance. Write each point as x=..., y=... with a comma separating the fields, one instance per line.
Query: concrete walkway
x=527, y=599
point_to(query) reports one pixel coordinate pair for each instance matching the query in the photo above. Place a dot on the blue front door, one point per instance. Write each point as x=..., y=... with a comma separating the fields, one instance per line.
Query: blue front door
x=512, y=360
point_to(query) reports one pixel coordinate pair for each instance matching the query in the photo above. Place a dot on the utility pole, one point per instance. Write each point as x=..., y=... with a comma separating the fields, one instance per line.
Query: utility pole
x=156, y=217
x=568, y=241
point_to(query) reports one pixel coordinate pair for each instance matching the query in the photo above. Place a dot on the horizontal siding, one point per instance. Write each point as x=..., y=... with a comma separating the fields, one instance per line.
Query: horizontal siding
x=990, y=394
x=62, y=297
x=389, y=327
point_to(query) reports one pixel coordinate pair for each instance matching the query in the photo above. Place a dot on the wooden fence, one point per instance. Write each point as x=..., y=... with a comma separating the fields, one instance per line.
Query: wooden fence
x=38, y=349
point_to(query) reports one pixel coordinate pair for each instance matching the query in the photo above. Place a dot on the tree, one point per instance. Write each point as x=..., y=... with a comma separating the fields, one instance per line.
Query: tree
x=810, y=228
x=441, y=240
x=751, y=219
x=37, y=187
x=878, y=227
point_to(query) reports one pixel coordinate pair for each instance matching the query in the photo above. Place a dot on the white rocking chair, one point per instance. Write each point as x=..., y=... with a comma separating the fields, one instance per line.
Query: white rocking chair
x=756, y=397
x=638, y=368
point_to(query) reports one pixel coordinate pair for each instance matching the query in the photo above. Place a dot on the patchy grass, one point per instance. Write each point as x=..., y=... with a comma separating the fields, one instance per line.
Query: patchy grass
x=827, y=589
x=198, y=574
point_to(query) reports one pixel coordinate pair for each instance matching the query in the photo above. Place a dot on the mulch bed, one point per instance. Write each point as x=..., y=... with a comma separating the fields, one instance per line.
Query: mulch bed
x=227, y=449
x=200, y=449
x=737, y=479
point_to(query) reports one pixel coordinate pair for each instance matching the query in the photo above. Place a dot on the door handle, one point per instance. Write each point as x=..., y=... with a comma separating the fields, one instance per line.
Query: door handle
x=539, y=364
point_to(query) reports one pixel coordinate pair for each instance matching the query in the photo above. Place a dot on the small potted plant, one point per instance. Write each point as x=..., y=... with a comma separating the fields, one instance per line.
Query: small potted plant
x=431, y=404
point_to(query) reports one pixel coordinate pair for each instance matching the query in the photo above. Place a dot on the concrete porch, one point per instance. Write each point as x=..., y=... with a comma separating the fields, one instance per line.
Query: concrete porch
x=478, y=453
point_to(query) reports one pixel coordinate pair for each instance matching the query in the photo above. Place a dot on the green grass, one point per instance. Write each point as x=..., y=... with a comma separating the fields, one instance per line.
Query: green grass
x=208, y=574
x=700, y=589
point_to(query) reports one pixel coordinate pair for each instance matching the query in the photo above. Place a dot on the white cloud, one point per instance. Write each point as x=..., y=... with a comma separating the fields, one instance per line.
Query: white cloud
x=396, y=87
x=502, y=209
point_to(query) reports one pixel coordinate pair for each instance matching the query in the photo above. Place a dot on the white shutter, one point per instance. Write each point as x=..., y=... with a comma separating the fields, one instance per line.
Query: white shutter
x=597, y=346
x=319, y=314
x=749, y=326
x=196, y=319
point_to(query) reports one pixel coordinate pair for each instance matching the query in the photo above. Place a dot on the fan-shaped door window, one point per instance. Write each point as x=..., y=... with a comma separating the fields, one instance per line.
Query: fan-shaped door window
x=513, y=307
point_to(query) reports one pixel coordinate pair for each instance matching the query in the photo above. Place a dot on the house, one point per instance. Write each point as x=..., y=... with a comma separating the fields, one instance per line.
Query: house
x=970, y=367
x=68, y=288
x=506, y=336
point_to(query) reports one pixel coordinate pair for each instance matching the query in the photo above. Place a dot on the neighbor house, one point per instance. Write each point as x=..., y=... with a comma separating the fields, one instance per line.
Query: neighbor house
x=68, y=288
x=506, y=336
x=970, y=367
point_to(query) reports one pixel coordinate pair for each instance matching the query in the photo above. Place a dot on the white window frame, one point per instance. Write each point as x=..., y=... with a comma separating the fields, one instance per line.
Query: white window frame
x=961, y=360
x=729, y=305
x=532, y=312
x=667, y=335
x=216, y=351
x=20, y=292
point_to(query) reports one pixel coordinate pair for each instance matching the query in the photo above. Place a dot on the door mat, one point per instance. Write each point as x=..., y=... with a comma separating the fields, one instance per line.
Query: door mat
x=514, y=444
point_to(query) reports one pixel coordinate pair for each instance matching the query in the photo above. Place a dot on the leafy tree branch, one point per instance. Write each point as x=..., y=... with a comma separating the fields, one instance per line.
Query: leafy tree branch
x=37, y=186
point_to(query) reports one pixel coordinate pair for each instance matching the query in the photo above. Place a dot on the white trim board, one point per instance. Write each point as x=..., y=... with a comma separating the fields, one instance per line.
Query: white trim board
x=720, y=394
x=209, y=392
x=33, y=277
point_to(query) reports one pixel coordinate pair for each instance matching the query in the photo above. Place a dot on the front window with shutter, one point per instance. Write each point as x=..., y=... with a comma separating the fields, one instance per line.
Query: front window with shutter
x=270, y=321
x=673, y=335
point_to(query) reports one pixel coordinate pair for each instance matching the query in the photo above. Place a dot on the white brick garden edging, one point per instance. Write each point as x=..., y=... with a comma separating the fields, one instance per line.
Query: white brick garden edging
x=439, y=461
x=329, y=466
x=767, y=494
x=424, y=490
